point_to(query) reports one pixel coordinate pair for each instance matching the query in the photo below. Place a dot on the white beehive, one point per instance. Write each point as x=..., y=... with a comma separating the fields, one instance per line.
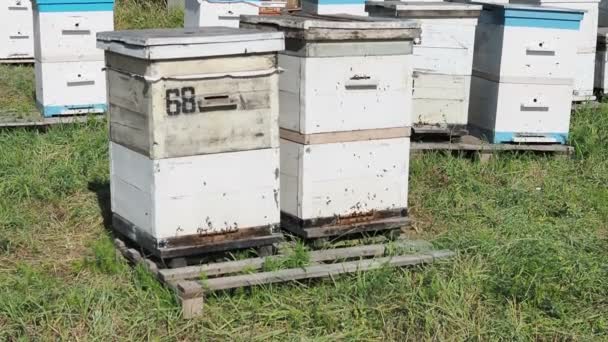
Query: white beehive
x=69, y=67
x=201, y=13
x=443, y=60
x=585, y=42
x=345, y=99
x=194, y=137
x=17, y=32
x=601, y=59
x=523, y=71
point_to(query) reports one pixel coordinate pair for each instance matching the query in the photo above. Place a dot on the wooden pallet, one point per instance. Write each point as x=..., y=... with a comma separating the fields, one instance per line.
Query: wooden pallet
x=36, y=120
x=485, y=150
x=191, y=289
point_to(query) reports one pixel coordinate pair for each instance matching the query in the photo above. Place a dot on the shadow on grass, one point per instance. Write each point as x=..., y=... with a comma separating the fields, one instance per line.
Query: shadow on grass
x=102, y=190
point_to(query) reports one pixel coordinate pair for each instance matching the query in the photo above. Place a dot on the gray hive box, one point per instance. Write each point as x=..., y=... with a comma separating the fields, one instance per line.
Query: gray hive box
x=152, y=106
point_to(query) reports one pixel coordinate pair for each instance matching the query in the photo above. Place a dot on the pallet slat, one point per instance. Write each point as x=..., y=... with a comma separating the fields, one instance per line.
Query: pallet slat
x=215, y=269
x=320, y=271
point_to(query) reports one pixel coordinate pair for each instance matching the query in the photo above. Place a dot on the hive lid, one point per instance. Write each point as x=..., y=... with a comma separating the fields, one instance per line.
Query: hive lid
x=157, y=44
x=301, y=25
x=535, y=16
x=427, y=9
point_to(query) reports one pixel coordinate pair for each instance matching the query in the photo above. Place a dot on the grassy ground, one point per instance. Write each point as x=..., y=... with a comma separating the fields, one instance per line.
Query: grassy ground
x=531, y=233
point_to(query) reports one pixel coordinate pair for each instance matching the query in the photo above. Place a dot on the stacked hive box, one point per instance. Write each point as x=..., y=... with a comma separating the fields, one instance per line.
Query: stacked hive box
x=523, y=69
x=443, y=59
x=69, y=68
x=601, y=60
x=17, y=32
x=345, y=101
x=201, y=13
x=585, y=42
x=194, y=137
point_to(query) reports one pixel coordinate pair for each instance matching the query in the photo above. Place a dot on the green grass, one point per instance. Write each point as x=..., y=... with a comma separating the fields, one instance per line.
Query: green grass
x=531, y=234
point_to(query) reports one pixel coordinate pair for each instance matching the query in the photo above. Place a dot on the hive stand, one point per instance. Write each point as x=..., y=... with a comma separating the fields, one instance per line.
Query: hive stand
x=485, y=151
x=191, y=283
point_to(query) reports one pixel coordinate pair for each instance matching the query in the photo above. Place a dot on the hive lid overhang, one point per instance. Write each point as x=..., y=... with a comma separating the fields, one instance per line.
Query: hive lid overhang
x=336, y=27
x=189, y=43
x=412, y=9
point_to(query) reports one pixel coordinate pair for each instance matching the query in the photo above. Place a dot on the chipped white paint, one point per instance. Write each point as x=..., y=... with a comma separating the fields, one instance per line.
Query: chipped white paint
x=202, y=13
x=601, y=60
x=327, y=94
x=203, y=194
x=70, y=36
x=17, y=30
x=325, y=180
x=442, y=58
x=585, y=41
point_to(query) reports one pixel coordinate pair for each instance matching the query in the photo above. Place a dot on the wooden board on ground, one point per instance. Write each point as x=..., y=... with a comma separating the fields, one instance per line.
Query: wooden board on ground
x=17, y=61
x=192, y=282
x=472, y=144
x=10, y=120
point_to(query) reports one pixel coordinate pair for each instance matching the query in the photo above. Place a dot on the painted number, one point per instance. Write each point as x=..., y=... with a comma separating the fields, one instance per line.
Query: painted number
x=181, y=101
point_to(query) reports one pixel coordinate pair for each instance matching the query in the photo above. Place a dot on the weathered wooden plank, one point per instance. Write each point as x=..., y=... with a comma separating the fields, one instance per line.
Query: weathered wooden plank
x=318, y=271
x=455, y=146
x=6, y=120
x=17, y=61
x=215, y=269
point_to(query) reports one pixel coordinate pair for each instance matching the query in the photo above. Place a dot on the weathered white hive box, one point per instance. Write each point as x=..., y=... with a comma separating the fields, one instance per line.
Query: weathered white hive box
x=585, y=42
x=523, y=69
x=194, y=137
x=69, y=67
x=201, y=13
x=601, y=60
x=17, y=31
x=345, y=99
x=443, y=60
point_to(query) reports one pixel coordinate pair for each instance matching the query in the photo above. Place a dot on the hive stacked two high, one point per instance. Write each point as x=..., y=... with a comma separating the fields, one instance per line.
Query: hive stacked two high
x=194, y=138
x=69, y=67
x=443, y=60
x=585, y=42
x=17, y=32
x=345, y=99
x=523, y=69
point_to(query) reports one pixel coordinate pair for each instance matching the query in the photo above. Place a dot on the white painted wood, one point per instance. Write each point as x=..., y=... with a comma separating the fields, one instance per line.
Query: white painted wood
x=235, y=104
x=585, y=40
x=202, y=13
x=344, y=178
x=70, y=36
x=345, y=93
x=442, y=59
x=520, y=108
x=71, y=84
x=355, y=8
x=17, y=30
x=440, y=99
x=525, y=51
x=197, y=194
x=157, y=44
